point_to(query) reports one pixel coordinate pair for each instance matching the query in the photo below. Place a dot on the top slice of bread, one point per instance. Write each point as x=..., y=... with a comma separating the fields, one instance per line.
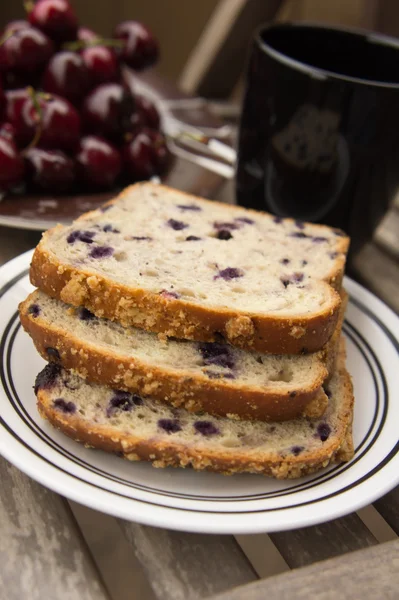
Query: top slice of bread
x=168, y=262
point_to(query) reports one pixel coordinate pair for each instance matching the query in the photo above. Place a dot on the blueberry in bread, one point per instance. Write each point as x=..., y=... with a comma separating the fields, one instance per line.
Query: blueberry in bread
x=145, y=429
x=200, y=376
x=165, y=261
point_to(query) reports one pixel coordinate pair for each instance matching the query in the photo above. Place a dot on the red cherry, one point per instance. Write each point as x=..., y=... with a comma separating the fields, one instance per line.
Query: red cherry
x=160, y=151
x=2, y=100
x=86, y=35
x=49, y=170
x=55, y=18
x=141, y=48
x=66, y=76
x=26, y=50
x=13, y=26
x=146, y=114
x=7, y=131
x=145, y=155
x=59, y=123
x=11, y=165
x=101, y=64
x=107, y=110
x=98, y=162
x=14, y=103
x=137, y=120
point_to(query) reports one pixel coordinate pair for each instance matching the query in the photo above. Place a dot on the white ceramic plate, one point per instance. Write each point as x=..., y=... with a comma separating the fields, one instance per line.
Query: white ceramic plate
x=207, y=502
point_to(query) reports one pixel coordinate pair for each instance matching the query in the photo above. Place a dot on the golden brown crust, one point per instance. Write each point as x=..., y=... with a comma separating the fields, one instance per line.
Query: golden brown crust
x=228, y=461
x=183, y=319
x=195, y=393
x=332, y=350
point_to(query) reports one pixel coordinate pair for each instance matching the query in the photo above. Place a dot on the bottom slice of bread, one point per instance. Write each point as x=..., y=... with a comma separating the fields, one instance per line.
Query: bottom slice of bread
x=145, y=429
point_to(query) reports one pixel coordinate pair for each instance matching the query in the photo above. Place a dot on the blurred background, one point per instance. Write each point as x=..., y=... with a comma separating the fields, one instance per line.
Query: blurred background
x=203, y=44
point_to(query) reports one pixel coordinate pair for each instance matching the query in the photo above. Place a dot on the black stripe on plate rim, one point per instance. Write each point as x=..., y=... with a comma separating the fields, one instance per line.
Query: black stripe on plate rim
x=7, y=286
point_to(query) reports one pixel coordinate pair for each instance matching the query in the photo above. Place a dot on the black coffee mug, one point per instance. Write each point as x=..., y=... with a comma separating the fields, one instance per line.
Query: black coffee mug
x=319, y=133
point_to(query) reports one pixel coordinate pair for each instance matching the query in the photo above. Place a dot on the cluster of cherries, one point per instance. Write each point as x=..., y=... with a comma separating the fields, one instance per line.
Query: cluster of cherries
x=68, y=119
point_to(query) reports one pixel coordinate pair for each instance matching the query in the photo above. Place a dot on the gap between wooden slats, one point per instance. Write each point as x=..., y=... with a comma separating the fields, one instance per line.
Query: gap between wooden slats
x=188, y=566
x=387, y=234
x=304, y=546
x=121, y=572
x=377, y=524
x=379, y=272
x=267, y=560
x=388, y=507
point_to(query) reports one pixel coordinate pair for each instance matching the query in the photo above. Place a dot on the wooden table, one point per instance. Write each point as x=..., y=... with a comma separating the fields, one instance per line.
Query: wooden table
x=52, y=549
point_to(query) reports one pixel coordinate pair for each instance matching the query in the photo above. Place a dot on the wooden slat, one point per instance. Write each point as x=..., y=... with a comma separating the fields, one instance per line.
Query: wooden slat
x=387, y=235
x=379, y=272
x=187, y=566
x=113, y=556
x=213, y=68
x=388, y=507
x=376, y=524
x=304, y=546
x=262, y=554
x=367, y=574
x=42, y=554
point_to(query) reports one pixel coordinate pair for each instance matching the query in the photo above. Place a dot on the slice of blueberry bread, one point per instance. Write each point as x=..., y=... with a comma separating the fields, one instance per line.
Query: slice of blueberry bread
x=164, y=261
x=201, y=376
x=145, y=429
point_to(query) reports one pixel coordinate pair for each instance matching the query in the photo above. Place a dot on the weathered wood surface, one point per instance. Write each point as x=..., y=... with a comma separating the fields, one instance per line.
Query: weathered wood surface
x=216, y=63
x=379, y=272
x=42, y=554
x=304, y=546
x=187, y=566
x=112, y=554
x=388, y=507
x=367, y=574
x=262, y=554
x=387, y=235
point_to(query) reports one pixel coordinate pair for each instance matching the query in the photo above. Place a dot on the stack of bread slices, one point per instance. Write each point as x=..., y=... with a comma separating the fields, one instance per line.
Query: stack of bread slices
x=187, y=332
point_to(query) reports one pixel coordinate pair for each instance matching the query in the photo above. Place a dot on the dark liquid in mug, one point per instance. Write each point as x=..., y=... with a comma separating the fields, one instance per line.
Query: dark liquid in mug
x=339, y=52
x=319, y=137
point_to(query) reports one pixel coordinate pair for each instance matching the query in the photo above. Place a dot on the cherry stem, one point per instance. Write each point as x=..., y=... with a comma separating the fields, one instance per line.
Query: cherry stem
x=81, y=44
x=6, y=37
x=39, y=129
x=29, y=5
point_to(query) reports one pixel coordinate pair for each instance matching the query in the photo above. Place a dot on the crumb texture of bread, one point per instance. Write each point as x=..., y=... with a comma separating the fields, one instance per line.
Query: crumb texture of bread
x=145, y=429
x=175, y=264
x=214, y=377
